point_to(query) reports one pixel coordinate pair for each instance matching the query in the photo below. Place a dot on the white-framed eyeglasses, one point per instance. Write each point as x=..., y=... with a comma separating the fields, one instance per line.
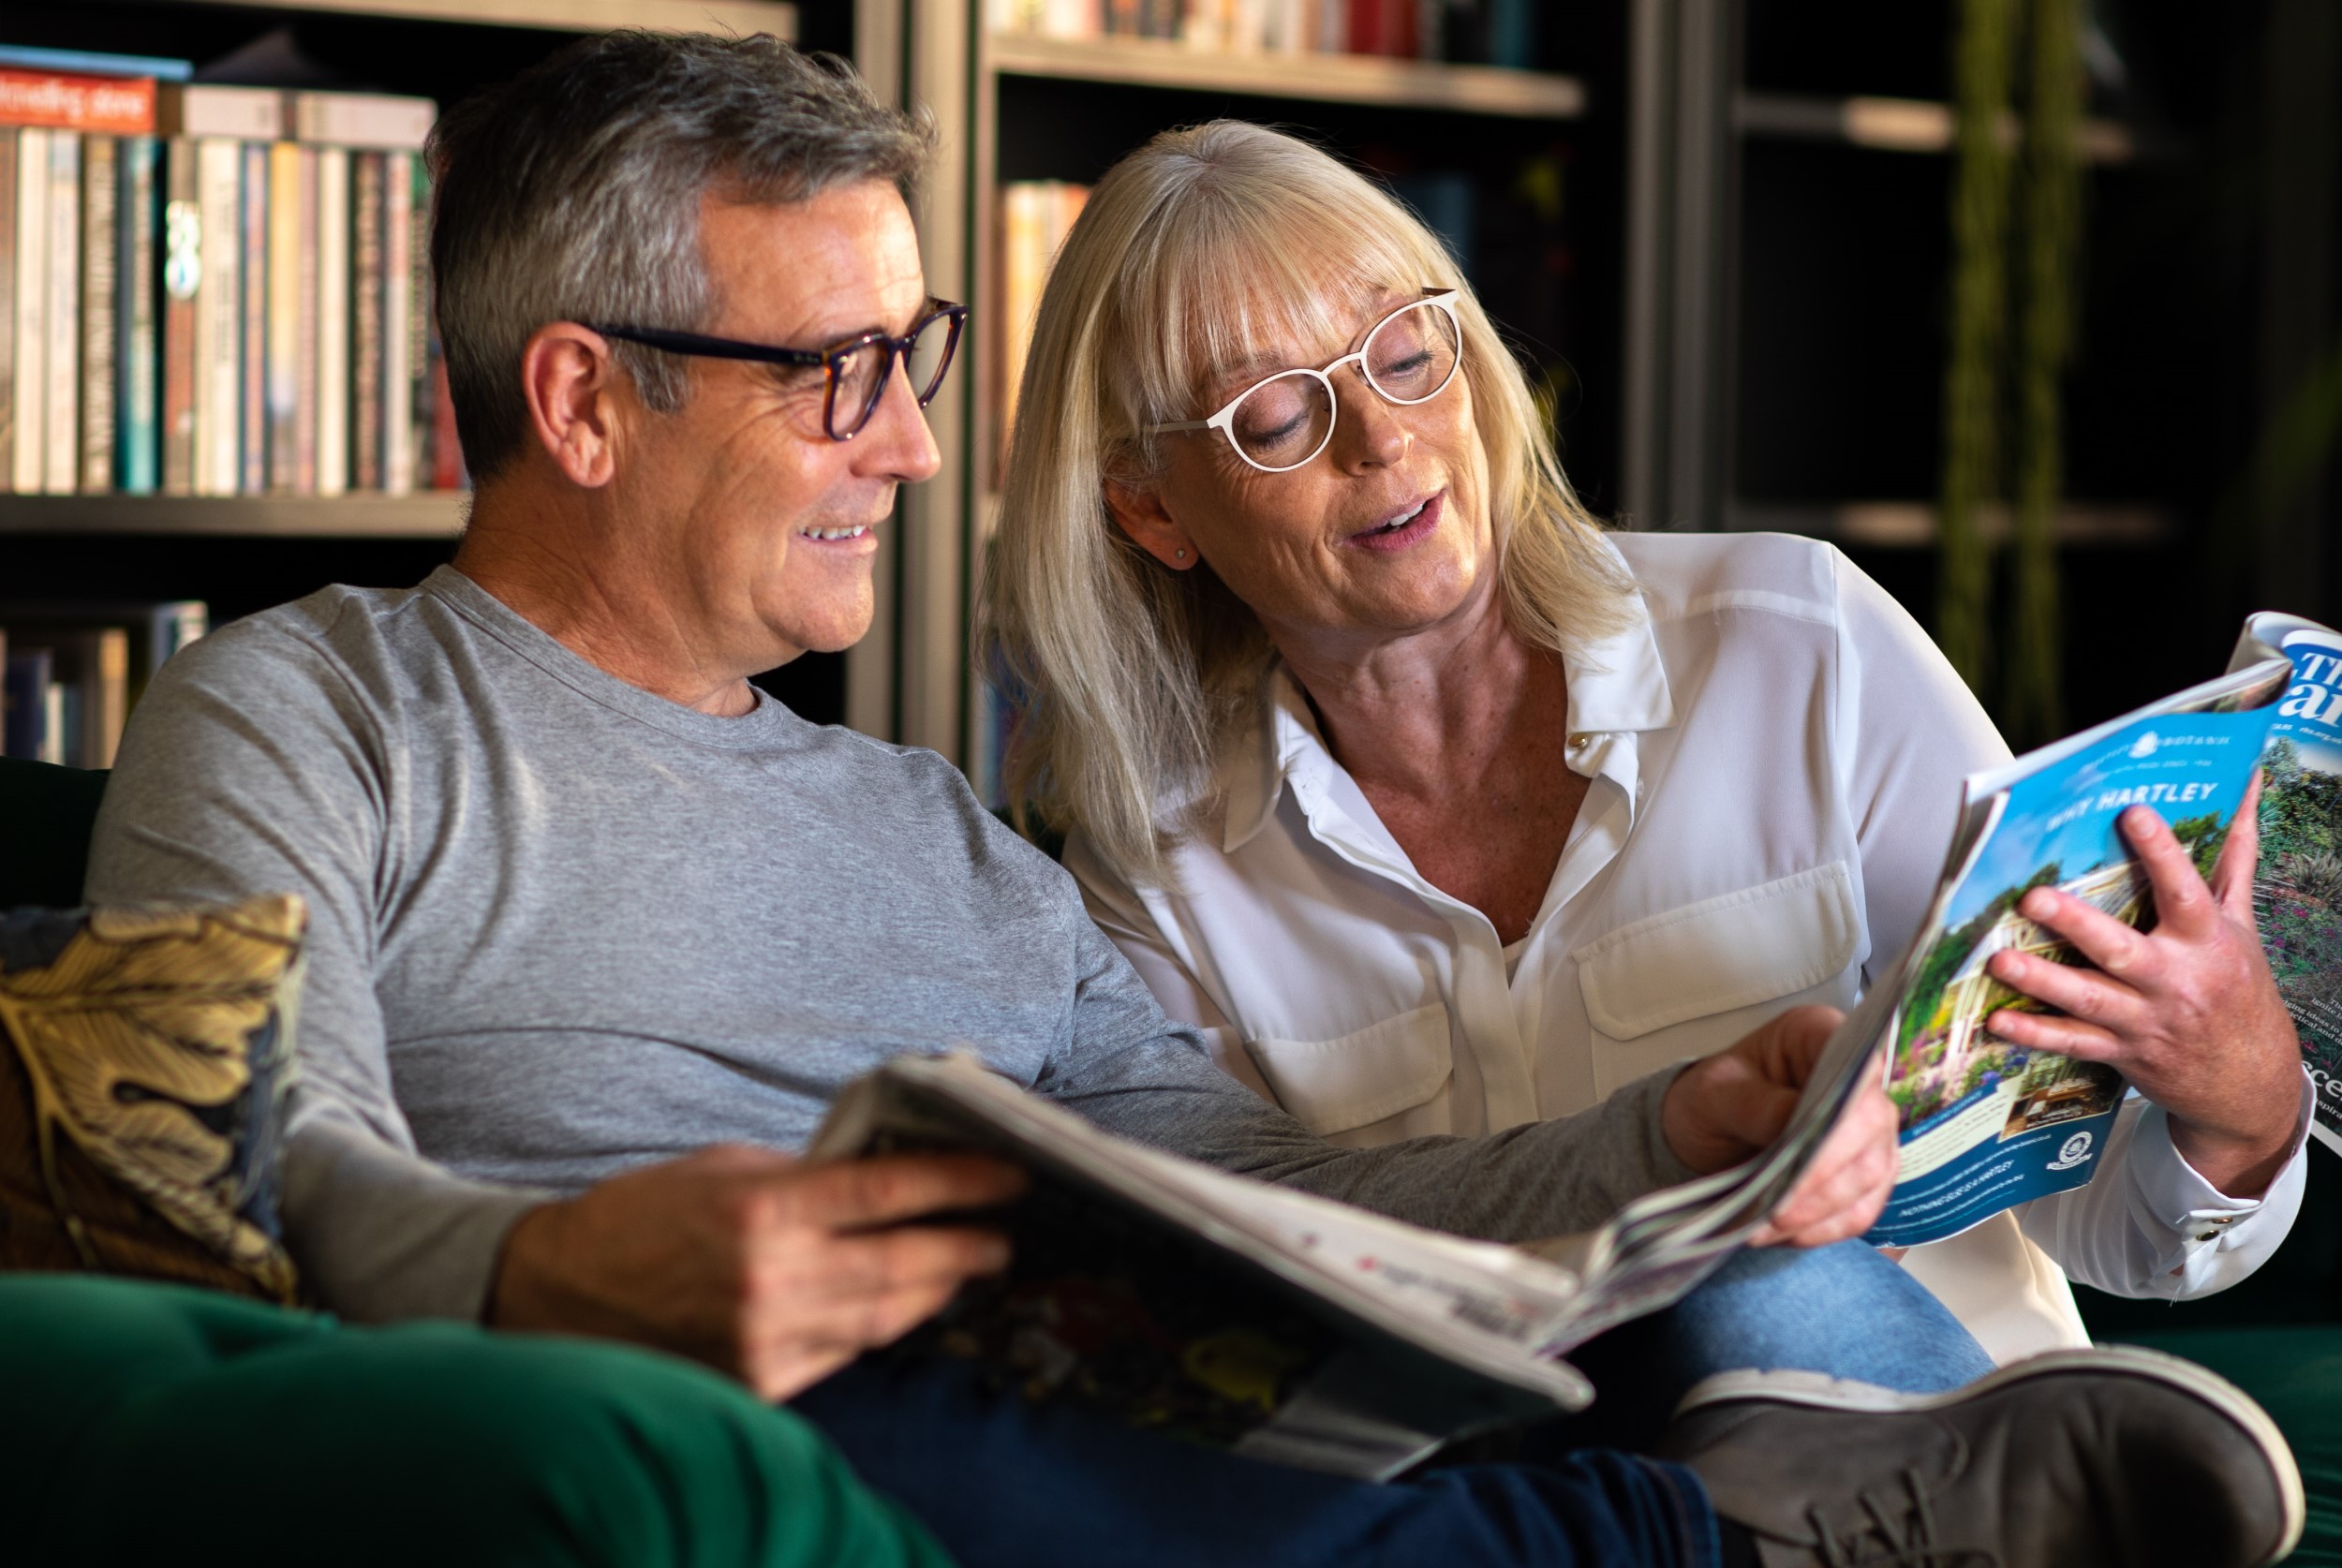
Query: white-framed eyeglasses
x=1284, y=421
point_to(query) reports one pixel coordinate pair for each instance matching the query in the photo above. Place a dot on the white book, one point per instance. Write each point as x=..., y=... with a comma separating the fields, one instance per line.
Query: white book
x=241, y=113
x=398, y=310
x=333, y=320
x=31, y=392
x=61, y=419
x=219, y=318
x=381, y=120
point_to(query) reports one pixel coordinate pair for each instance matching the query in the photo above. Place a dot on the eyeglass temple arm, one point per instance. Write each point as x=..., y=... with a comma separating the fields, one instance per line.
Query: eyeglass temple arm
x=1176, y=425
x=711, y=347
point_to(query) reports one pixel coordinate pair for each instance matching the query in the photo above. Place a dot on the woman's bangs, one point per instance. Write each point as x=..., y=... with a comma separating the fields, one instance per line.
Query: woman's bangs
x=1245, y=282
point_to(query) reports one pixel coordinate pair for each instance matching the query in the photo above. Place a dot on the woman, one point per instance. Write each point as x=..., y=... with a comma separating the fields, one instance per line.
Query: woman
x=1439, y=810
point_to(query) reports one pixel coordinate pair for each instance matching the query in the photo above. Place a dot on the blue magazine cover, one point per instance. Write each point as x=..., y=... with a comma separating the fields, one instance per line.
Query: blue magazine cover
x=1987, y=1123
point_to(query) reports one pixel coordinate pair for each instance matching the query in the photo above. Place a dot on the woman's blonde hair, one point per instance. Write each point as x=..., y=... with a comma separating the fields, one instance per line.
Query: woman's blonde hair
x=1129, y=677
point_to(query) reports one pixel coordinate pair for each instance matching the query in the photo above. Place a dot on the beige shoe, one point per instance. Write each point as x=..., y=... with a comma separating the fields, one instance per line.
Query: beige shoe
x=2115, y=1457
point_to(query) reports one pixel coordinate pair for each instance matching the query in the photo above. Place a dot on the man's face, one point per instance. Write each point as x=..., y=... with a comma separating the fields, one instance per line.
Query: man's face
x=755, y=530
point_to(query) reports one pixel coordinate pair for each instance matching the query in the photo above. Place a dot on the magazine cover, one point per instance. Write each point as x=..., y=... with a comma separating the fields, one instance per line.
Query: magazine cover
x=1987, y=1123
x=2297, y=895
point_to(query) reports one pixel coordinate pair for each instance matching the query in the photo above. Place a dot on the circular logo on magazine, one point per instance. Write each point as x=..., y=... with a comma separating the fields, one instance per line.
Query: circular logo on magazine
x=2072, y=1152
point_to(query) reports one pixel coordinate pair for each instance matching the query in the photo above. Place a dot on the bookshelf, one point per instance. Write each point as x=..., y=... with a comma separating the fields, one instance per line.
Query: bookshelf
x=1346, y=78
x=432, y=514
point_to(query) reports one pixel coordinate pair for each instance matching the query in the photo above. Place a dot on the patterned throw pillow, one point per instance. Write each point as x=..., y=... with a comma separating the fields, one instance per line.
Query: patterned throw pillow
x=144, y=1056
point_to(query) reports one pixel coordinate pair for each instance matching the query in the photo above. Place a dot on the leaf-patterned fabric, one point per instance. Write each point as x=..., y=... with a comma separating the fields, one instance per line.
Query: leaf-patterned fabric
x=143, y=1053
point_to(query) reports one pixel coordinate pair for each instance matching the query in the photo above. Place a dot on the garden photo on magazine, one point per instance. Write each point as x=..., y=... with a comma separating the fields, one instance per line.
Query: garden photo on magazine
x=2297, y=895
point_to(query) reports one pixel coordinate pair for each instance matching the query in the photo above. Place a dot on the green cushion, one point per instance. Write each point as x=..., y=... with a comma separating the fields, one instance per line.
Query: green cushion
x=2296, y=1374
x=151, y=1423
x=46, y=815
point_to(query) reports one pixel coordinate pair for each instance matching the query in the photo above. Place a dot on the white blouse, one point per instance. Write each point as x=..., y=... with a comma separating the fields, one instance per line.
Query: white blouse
x=1774, y=757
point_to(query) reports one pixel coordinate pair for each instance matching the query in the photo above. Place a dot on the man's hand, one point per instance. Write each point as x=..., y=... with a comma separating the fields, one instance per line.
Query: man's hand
x=1726, y=1109
x=2188, y=1013
x=758, y=1265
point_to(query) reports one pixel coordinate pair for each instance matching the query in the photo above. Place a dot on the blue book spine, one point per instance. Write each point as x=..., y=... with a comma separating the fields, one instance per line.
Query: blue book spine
x=25, y=730
x=1513, y=32
x=137, y=357
x=83, y=62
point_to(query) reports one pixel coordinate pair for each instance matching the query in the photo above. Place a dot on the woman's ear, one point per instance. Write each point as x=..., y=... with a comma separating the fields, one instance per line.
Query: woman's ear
x=1138, y=512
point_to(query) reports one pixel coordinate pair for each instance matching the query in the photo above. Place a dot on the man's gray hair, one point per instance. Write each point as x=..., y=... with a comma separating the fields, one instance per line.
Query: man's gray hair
x=572, y=194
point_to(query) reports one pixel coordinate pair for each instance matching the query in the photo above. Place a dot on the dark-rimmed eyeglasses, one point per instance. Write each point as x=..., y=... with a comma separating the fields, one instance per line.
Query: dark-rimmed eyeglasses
x=1280, y=422
x=854, y=372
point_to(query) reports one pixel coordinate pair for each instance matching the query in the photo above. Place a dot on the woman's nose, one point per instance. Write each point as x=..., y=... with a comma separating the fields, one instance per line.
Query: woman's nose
x=1369, y=433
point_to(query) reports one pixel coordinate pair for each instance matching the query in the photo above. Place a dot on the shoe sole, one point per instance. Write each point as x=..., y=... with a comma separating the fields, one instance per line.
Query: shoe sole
x=1820, y=1391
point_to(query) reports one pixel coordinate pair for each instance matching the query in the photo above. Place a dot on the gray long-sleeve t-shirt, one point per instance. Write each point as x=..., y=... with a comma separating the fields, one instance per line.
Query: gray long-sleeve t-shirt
x=561, y=927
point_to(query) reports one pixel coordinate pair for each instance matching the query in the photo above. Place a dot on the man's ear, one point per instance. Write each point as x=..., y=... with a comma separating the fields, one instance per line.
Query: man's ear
x=1138, y=512
x=570, y=379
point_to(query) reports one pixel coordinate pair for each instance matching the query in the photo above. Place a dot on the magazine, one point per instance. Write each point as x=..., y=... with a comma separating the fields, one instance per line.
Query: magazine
x=2297, y=895
x=1985, y=1123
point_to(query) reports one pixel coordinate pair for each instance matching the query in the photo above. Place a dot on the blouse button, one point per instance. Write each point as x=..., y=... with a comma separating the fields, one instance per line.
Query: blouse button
x=1580, y=741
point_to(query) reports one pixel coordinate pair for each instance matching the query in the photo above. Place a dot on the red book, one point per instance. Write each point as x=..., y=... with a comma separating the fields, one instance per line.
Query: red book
x=104, y=105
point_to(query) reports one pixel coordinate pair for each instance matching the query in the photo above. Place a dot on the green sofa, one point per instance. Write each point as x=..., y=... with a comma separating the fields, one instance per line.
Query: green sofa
x=2278, y=1334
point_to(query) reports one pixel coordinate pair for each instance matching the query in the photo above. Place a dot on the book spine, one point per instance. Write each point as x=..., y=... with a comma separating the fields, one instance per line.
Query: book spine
x=102, y=106
x=366, y=322
x=32, y=310
x=284, y=314
x=217, y=329
x=61, y=420
x=8, y=308
x=253, y=420
x=435, y=468
x=137, y=357
x=398, y=299
x=305, y=427
x=101, y=262
x=1512, y=32
x=182, y=282
x=333, y=358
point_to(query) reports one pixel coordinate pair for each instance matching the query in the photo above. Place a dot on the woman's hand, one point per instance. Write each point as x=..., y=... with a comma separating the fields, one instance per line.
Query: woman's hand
x=1729, y=1107
x=2188, y=1013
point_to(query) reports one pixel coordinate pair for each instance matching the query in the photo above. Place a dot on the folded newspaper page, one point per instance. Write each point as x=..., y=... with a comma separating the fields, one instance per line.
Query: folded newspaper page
x=1284, y=1325
x=2297, y=895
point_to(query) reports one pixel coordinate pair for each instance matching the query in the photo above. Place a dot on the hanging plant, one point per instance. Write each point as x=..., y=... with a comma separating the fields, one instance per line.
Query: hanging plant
x=1979, y=371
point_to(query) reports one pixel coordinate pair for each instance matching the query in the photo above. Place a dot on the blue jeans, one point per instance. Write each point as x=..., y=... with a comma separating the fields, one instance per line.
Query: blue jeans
x=1006, y=1485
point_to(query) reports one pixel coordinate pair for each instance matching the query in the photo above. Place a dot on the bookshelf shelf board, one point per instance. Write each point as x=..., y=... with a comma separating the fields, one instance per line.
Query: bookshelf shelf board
x=432, y=514
x=1362, y=79
x=1911, y=524
x=571, y=16
x=1895, y=124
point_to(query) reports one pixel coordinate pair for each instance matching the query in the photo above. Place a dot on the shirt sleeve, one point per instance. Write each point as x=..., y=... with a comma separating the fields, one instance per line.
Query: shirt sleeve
x=1122, y=1064
x=2150, y=1225
x=253, y=765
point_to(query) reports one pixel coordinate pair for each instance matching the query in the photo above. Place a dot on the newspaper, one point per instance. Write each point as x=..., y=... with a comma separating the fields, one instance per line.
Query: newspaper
x=1281, y=1324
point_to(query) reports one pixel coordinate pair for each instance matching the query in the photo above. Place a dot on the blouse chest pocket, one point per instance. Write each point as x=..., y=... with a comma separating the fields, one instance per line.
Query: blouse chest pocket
x=1341, y=1084
x=1642, y=984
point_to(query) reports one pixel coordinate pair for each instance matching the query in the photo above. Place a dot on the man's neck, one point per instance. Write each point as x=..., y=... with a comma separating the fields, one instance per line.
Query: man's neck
x=563, y=574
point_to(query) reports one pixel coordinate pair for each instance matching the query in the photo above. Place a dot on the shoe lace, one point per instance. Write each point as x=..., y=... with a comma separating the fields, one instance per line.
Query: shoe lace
x=1911, y=1544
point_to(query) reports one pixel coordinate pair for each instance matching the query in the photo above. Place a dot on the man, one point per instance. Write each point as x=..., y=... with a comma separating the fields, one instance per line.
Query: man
x=597, y=929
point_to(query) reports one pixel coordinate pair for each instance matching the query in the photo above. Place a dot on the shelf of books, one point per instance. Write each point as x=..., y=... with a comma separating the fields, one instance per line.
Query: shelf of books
x=1293, y=73
x=355, y=514
x=571, y=16
x=217, y=292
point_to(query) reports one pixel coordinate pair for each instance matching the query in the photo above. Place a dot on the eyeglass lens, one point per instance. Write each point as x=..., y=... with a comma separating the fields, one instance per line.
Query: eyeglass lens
x=862, y=375
x=1409, y=357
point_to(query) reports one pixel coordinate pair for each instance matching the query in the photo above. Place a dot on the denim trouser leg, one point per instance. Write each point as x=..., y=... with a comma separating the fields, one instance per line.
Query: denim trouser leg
x=1847, y=1311
x=1007, y=1484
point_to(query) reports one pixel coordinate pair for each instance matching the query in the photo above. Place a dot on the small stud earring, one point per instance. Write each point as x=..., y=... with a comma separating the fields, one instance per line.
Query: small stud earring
x=1179, y=555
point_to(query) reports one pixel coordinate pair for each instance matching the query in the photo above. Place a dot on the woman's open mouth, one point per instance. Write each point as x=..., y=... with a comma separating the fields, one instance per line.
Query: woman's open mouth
x=1403, y=529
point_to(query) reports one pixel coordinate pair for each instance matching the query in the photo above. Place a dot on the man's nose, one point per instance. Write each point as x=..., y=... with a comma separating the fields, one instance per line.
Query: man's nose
x=900, y=445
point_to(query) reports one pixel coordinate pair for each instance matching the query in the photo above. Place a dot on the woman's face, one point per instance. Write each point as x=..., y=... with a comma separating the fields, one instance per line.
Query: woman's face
x=1383, y=534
